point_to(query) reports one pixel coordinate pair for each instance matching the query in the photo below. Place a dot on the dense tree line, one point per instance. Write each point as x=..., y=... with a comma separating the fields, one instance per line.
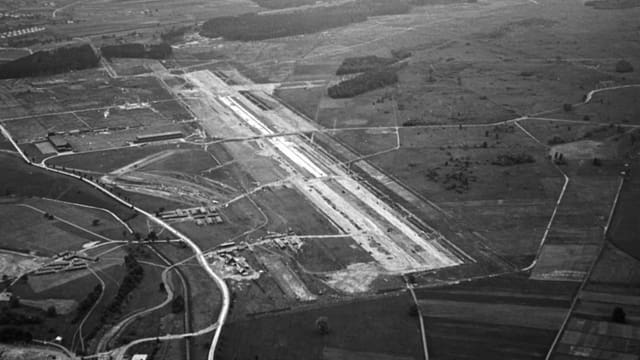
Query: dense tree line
x=133, y=277
x=283, y=4
x=248, y=27
x=50, y=62
x=362, y=83
x=440, y=2
x=9, y=335
x=10, y=317
x=158, y=51
x=513, y=159
x=87, y=303
x=177, y=305
x=358, y=64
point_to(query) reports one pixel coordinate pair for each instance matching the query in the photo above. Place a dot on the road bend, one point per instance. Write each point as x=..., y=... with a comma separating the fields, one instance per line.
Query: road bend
x=199, y=255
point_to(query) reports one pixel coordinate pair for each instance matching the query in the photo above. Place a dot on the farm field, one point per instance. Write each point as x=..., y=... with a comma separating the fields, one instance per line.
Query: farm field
x=27, y=181
x=378, y=327
x=106, y=161
x=593, y=327
x=28, y=231
x=623, y=227
x=503, y=317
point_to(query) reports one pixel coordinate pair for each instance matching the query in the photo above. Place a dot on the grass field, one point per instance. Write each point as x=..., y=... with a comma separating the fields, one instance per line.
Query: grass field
x=287, y=209
x=304, y=100
x=617, y=106
x=108, y=160
x=576, y=234
x=330, y=254
x=624, y=228
x=84, y=217
x=21, y=179
x=507, y=317
x=378, y=326
x=27, y=229
x=506, y=207
x=192, y=162
x=591, y=328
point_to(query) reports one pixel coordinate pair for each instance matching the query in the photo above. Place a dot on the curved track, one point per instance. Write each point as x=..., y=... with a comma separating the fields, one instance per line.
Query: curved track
x=199, y=255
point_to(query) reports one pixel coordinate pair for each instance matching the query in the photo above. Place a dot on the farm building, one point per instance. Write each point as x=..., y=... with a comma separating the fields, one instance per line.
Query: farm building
x=159, y=137
x=59, y=143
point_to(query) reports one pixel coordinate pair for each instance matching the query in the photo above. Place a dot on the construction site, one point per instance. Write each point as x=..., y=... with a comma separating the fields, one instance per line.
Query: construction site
x=396, y=244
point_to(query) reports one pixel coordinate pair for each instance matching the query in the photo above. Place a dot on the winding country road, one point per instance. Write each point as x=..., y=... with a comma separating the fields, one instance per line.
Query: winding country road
x=226, y=298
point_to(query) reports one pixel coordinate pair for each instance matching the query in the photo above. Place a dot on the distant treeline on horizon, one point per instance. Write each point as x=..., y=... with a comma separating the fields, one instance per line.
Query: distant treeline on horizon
x=251, y=27
x=73, y=58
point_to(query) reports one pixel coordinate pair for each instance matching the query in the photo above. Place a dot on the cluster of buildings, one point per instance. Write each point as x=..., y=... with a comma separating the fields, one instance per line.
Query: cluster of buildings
x=21, y=32
x=66, y=261
x=239, y=264
x=171, y=135
x=202, y=215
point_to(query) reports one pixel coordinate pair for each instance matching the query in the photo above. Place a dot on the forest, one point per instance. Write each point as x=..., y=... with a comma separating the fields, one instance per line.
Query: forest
x=50, y=62
x=364, y=82
x=354, y=65
x=250, y=27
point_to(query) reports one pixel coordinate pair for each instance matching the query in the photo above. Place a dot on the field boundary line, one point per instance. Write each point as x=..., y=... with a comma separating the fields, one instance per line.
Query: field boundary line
x=558, y=201
x=423, y=333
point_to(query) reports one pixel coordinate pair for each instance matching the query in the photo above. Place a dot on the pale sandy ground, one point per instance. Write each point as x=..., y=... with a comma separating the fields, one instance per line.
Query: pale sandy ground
x=11, y=352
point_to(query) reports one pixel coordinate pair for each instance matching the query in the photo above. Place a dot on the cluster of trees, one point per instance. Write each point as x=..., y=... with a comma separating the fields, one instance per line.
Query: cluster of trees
x=177, y=305
x=438, y=2
x=623, y=66
x=250, y=27
x=364, y=82
x=175, y=34
x=358, y=64
x=50, y=62
x=283, y=4
x=135, y=50
x=513, y=159
x=12, y=317
x=87, y=303
x=457, y=176
x=134, y=276
x=9, y=335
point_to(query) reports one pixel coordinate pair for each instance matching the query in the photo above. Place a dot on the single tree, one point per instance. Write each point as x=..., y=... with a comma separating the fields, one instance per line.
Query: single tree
x=95, y=222
x=623, y=66
x=51, y=311
x=322, y=324
x=152, y=236
x=411, y=279
x=618, y=315
x=413, y=310
x=14, y=302
x=177, y=306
